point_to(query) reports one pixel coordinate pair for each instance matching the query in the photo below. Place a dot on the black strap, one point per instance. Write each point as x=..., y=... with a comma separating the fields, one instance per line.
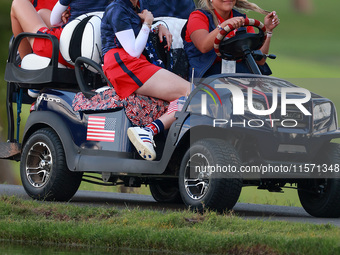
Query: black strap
x=76, y=39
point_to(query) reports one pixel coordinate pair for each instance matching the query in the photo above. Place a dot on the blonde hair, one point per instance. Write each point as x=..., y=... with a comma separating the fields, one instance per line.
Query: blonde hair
x=245, y=5
x=240, y=5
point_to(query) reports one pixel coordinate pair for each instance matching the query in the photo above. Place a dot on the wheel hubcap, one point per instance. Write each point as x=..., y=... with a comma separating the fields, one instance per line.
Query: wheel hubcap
x=197, y=176
x=38, y=165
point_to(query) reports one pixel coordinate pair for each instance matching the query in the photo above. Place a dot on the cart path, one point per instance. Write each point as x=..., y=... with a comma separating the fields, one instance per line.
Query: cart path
x=127, y=200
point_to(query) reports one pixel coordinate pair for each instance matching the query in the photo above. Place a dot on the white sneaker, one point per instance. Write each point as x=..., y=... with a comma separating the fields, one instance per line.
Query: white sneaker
x=143, y=142
x=33, y=93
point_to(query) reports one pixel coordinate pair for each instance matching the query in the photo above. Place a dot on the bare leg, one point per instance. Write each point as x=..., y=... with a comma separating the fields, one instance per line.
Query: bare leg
x=24, y=47
x=24, y=18
x=164, y=85
x=167, y=119
x=45, y=14
x=167, y=86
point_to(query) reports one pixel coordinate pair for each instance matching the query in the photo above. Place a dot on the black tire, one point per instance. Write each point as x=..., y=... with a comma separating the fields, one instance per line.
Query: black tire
x=43, y=170
x=166, y=192
x=321, y=197
x=200, y=191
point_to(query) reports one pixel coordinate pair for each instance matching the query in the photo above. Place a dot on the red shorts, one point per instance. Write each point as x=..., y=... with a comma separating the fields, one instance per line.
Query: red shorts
x=127, y=73
x=44, y=4
x=43, y=47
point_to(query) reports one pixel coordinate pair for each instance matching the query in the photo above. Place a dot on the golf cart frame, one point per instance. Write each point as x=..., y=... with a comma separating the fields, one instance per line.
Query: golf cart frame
x=55, y=153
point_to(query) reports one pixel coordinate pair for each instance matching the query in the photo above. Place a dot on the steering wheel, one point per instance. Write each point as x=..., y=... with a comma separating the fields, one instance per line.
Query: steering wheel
x=234, y=48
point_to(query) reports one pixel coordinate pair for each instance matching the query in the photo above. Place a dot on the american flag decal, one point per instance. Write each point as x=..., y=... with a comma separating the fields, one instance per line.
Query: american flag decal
x=100, y=128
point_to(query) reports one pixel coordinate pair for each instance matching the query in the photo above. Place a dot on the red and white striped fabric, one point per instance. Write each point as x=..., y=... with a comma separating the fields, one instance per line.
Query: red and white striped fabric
x=229, y=28
x=173, y=106
x=100, y=128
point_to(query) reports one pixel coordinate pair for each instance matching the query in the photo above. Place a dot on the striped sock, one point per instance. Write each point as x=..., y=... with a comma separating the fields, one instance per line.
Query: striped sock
x=155, y=127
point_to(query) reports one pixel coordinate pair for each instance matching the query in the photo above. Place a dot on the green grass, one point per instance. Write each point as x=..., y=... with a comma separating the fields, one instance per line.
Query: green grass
x=60, y=224
x=308, y=54
x=5, y=31
x=255, y=196
x=290, y=67
x=312, y=37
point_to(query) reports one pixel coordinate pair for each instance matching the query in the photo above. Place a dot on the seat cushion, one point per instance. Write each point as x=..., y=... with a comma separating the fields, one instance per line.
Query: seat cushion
x=35, y=62
x=175, y=26
x=176, y=60
x=81, y=37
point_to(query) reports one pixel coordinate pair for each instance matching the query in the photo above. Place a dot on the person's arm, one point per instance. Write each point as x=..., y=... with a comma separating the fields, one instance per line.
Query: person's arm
x=271, y=21
x=135, y=46
x=203, y=39
x=56, y=14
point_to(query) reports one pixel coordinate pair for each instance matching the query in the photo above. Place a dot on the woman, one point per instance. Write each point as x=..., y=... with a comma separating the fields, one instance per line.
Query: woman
x=204, y=25
x=25, y=18
x=125, y=30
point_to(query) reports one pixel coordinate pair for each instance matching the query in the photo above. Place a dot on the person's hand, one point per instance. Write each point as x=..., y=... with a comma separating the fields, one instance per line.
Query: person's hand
x=164, y=32
x=271, y=21
x=236, y=22
x=65, y=15
x=146, y=16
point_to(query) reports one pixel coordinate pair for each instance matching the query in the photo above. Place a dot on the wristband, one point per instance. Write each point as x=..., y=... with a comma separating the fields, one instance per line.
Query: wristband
x=220, y=28
x=269, y=34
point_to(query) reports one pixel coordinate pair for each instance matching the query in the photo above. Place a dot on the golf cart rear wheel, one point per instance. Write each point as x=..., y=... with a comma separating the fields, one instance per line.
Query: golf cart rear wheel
x=43, y=169
x=202, y=188
x=321, y=197
x=166, y=192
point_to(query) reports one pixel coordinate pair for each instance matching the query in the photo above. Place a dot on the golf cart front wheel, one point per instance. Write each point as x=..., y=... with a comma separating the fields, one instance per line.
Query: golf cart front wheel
x=201, y=188
x=321, y=197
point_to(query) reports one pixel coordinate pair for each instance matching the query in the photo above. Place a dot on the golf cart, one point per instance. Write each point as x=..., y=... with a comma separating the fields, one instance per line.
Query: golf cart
x=77, y=127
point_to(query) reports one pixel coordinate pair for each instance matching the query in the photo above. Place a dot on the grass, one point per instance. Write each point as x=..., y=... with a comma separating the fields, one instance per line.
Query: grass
x=307, y=37
x=5, y=26
x=60, y=224
x=308, y=54
x=290, y=67
x=255, y=196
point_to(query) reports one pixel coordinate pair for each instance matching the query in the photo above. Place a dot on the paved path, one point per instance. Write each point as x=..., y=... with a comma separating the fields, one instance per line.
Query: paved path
x=124, y=200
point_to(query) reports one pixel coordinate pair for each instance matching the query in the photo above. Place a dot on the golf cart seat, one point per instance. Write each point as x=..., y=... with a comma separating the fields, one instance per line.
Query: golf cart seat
x=175, y=26
x=174, y=60
x=78, y=38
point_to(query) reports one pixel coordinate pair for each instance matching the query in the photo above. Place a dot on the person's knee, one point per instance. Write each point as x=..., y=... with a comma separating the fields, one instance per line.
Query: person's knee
x=12, y=14
x=184, y=89
x=15, y=5
x=180, y=91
